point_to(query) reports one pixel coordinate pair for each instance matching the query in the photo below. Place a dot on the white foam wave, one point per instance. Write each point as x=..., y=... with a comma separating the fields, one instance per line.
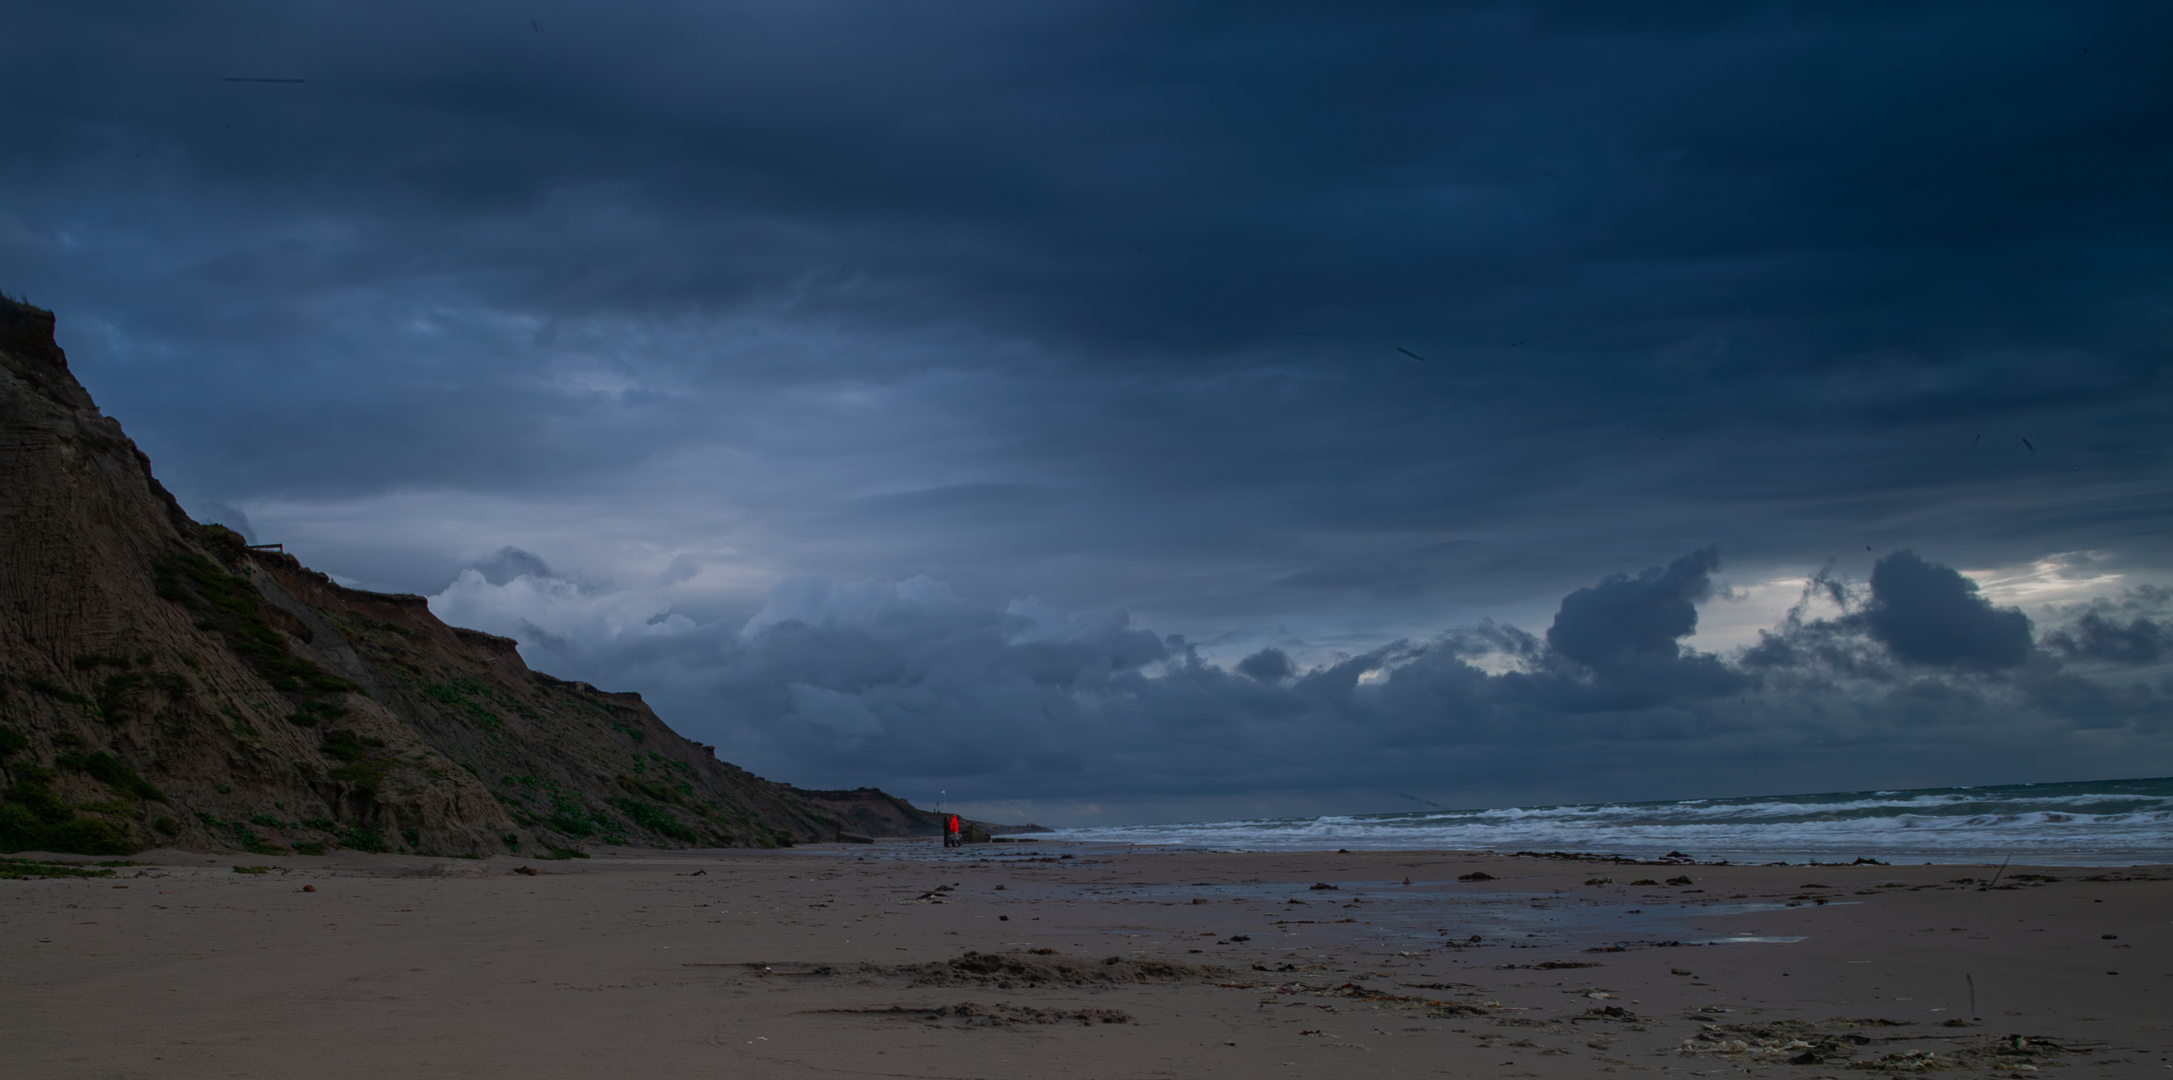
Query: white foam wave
x=2083, y=824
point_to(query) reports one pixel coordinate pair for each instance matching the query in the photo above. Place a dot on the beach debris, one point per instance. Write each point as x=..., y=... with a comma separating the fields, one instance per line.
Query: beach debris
x=1007, y=970
x=1679, y=971
x=1682, y=879
x=767, y=969
x=527, y=871
x=1360, y=993
x=1644, y=881
x=2014, y=1053
x=1199, y=900
x=1600, y=881
x=1002, y=1014
x=1475, y=875
x=1801, y=1042
x=1240, y=937
x=1320, y=885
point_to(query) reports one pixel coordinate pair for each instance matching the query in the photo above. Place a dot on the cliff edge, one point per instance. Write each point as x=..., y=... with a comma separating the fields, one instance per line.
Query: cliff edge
x=163, y=684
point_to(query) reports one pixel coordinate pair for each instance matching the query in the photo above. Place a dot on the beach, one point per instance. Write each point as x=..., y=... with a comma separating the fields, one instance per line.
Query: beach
x=1047, y=959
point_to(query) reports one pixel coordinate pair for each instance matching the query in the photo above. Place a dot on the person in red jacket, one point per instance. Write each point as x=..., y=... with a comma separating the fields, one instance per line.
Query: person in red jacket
x=950, y=831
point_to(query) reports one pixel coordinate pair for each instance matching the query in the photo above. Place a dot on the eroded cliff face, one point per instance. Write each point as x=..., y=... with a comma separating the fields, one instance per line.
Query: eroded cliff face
x=163, y=684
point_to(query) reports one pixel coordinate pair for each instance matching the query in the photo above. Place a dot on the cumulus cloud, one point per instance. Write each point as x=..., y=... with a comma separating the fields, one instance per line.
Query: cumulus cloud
x=1621, y=618
x=2096, y=636
x=2134, y=629
x=910, y=685
x=1269, y=665
x=511, y=562
x=1931, y=614
x=515, y=593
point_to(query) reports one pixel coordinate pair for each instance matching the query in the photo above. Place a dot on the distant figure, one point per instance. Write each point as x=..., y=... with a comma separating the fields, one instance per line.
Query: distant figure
x=950, y=831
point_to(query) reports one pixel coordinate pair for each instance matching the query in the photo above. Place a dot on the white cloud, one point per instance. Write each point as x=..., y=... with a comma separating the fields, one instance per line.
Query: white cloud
x=532, y=606
x=909, y=685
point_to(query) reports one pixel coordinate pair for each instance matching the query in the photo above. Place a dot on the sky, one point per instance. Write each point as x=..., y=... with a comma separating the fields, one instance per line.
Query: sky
x=1118, y=412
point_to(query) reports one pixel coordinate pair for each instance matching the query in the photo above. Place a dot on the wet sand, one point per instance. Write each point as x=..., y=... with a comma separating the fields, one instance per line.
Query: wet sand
x=852, y=961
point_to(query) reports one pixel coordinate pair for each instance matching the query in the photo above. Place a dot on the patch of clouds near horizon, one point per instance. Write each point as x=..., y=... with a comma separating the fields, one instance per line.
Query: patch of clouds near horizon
x=1042, y=710
x=1739, y=611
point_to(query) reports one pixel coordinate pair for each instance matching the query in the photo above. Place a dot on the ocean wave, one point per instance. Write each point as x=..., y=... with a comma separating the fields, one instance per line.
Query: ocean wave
x=2080, y=823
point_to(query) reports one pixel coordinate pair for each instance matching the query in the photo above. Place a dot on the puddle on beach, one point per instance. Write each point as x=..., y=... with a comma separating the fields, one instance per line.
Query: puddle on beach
x=1388, y=913
x=1436, y=914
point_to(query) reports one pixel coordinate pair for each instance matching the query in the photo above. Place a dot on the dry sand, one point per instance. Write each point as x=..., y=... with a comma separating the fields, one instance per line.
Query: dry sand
x=851, y=961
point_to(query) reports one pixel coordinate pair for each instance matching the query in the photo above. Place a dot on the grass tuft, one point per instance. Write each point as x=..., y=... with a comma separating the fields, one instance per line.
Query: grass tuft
x=109, y=770
x=20, y=869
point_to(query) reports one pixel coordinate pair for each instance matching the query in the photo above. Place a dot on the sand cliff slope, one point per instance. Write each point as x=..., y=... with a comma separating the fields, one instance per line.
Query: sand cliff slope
x=162, y=684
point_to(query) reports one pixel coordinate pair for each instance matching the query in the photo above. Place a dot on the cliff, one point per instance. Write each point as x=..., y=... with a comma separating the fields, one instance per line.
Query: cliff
x=162, y=684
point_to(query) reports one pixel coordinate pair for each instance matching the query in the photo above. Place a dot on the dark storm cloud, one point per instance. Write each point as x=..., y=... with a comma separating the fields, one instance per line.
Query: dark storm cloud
x=511, y=562
x=1305, y=327
x=1037, y=706
x=1270, y=665
x=2099, y=634
x=1930, y=614
x=1624, y=618
x=2140, y=641
x=1803, y=216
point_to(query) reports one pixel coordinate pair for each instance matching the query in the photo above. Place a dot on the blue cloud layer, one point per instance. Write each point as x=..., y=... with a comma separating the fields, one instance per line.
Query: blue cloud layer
x=1305, y=327
x=1032, y=707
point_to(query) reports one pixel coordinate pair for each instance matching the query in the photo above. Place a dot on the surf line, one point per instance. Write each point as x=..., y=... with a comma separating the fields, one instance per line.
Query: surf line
x=1272, y=757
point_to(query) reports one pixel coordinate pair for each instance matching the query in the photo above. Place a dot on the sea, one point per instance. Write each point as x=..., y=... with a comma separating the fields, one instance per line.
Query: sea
x=2084, y=823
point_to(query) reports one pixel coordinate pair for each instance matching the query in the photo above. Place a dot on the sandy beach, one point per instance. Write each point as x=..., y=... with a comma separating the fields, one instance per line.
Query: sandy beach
x=1038, y=960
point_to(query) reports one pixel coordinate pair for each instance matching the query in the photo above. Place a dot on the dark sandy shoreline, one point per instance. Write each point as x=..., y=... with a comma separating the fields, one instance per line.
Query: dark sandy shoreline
x=853, y=961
